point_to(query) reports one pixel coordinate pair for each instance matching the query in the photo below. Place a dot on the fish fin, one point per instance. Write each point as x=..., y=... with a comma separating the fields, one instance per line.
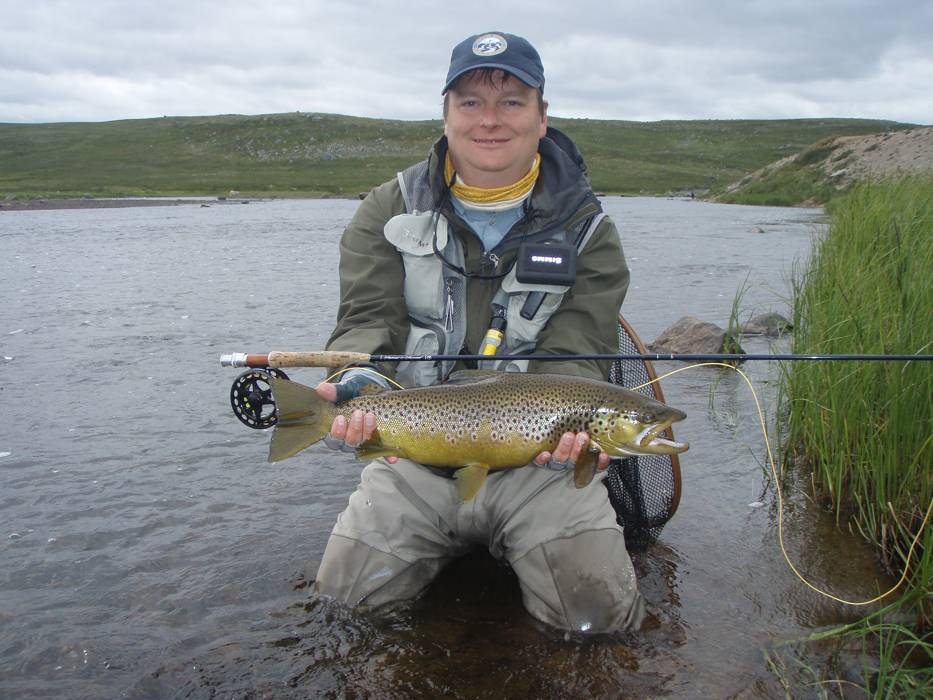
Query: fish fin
x=303, y=418
x=370, y=389
x=370, y=450
x=470, y=480
x=471, y=376
x=585, y=470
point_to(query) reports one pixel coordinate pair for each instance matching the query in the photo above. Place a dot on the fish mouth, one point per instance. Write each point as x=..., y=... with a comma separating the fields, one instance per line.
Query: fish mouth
x=649, y=440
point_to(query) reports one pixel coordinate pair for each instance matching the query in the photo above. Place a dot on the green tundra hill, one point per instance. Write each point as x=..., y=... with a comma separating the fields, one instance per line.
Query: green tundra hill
x=320, y=155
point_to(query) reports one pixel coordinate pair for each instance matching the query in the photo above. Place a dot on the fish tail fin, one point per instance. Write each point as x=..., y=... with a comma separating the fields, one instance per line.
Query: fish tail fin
x=303, y=418
x=585, y=469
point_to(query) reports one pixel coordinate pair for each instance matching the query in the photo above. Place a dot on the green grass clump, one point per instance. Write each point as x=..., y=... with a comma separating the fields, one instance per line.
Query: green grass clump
x=788, y=187
x=867, y=429
x=897, y=660
x=802, y=180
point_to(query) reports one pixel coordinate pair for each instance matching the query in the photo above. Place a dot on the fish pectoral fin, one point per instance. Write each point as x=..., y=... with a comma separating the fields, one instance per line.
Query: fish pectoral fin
x=470, y=480
x=585, y=469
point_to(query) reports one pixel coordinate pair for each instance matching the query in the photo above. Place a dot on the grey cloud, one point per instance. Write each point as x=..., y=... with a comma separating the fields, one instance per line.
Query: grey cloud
x=111, y=59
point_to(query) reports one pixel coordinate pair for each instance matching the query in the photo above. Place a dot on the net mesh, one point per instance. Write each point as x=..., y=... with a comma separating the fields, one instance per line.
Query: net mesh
x=643, y=490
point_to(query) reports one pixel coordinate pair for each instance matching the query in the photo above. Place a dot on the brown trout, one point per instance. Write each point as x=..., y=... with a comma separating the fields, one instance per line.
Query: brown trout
x=484, y=420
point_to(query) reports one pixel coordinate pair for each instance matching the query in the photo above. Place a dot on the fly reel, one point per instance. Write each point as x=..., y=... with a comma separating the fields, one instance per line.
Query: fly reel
x=251, y=398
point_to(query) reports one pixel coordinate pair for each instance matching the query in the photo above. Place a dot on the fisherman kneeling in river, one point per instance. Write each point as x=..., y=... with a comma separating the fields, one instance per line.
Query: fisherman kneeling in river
x=432, y=263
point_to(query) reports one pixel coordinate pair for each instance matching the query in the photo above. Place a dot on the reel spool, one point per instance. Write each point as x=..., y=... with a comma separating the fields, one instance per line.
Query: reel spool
x=251, y=398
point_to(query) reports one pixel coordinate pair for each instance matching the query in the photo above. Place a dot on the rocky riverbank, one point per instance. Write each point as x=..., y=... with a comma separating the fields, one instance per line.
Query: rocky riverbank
x=833, y=166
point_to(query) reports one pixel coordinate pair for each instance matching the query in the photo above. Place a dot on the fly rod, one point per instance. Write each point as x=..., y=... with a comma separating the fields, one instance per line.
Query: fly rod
x=334, y=358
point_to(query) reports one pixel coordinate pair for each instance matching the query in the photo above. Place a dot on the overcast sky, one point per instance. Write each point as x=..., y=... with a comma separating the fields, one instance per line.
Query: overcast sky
x=94, y=60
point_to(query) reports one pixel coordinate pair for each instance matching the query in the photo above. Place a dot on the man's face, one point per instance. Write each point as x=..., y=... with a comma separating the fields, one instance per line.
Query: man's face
x=493, y=128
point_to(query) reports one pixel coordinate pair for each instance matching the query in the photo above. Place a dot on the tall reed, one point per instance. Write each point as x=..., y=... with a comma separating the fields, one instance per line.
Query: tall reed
x=866, y=429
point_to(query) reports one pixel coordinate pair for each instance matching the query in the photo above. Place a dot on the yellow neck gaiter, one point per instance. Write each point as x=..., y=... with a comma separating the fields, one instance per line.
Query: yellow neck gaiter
x=494, y=195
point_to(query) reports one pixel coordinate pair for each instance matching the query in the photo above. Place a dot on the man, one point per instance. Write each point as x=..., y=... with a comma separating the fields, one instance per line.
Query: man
x=428, y=266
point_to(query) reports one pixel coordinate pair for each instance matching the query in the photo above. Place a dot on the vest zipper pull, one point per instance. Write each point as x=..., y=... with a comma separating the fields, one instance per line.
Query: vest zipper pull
x=449, y=309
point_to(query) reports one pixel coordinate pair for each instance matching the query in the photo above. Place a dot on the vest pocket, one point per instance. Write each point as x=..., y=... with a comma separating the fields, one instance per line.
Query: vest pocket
x=520, y=331
x=423, y=339
x=412, y=235
x=525, y=330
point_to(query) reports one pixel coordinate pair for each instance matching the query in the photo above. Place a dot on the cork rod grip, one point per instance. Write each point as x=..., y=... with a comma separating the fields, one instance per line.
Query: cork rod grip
x=323, y=358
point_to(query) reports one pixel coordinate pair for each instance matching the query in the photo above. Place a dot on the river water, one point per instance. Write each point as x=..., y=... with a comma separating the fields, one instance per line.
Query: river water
x=148, y=550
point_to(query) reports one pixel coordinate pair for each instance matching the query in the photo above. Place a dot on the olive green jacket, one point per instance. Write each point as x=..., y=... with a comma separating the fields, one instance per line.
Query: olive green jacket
x=373, y=317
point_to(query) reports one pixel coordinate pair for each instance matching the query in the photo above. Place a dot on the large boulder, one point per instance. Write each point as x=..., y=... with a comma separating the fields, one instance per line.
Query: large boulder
x=771, y=325
x=690, y=335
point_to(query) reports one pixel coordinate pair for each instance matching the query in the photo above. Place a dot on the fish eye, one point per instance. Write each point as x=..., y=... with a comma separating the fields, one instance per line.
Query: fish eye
x=647, y=418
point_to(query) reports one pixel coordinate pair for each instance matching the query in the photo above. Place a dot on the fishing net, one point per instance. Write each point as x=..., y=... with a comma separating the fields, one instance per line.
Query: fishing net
x=643, y=490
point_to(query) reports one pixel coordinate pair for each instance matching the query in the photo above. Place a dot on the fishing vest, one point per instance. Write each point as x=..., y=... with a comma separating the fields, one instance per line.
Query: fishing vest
x=435, y=294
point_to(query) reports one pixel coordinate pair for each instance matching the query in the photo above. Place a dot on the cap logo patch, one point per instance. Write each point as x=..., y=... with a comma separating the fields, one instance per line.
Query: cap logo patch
x=490, y=45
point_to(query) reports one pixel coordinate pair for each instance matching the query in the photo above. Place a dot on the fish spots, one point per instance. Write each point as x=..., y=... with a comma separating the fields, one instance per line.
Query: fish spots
x=510, y=417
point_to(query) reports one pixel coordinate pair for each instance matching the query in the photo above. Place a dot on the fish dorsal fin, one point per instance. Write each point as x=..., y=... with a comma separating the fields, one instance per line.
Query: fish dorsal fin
x=469, y=376
x=585, y=470
x=470, y=480
x=370, y=389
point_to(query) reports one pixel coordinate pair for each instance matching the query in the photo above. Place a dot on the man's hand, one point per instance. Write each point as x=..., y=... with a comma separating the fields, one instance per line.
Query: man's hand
x=354, y=433
x=568, y=452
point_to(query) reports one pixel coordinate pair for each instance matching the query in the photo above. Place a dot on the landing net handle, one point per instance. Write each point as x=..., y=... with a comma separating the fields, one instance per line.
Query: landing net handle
x=643, y=490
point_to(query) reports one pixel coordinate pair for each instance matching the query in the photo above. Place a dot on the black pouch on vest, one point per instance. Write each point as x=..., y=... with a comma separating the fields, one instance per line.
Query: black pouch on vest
x=546, y=263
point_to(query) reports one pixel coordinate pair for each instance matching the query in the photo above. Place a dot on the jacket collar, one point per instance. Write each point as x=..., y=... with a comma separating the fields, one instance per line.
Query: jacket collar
x=562, y=190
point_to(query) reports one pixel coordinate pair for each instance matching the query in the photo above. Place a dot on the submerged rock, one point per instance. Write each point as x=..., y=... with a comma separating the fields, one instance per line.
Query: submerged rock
x=691, y=335
x=772, y=324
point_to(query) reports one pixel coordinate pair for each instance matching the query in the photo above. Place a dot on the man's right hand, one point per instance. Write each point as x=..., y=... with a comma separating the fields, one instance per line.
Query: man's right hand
x=354, y=432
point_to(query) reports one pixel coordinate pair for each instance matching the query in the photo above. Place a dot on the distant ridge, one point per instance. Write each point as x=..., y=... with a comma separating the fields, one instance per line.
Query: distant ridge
x=325, y=155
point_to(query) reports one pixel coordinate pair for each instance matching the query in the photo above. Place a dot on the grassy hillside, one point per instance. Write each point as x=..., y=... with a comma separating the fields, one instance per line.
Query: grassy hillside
x=301, y=154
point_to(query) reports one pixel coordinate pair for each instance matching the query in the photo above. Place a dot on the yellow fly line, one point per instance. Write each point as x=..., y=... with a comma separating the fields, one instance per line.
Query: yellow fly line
x=780, y=497
x=370, y=370
x=774, y=474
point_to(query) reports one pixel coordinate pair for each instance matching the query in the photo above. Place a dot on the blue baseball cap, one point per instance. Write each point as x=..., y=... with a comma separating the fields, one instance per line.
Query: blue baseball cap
x=507, y=52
